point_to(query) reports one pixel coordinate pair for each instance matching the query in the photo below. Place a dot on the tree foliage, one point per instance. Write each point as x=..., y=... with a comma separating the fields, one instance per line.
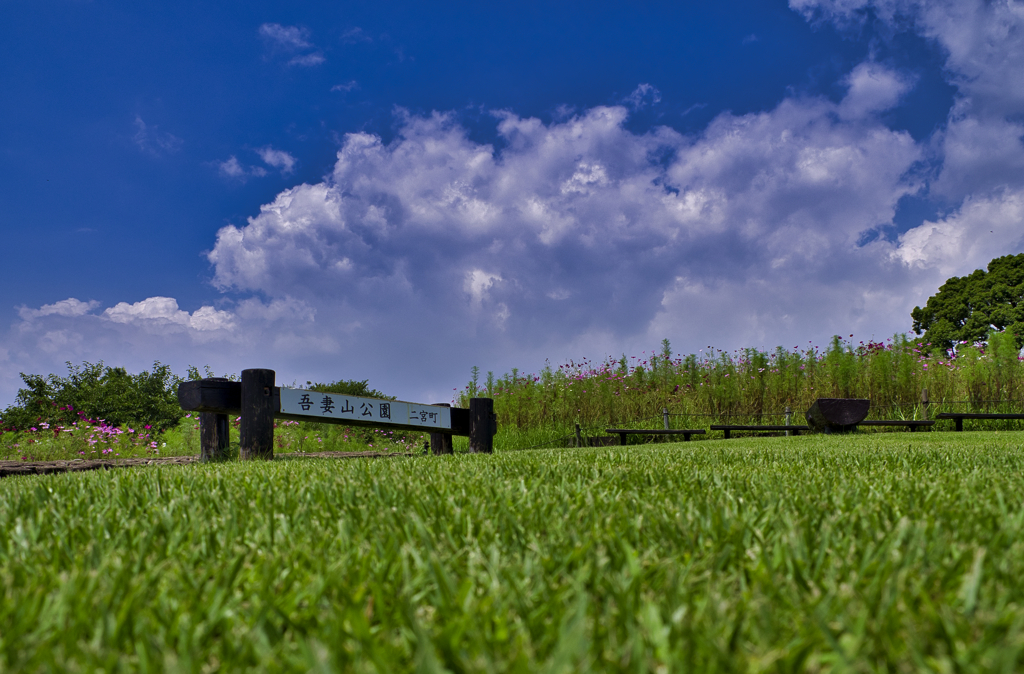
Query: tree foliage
x=967, y=308
x=350, y=387
x=97, y=392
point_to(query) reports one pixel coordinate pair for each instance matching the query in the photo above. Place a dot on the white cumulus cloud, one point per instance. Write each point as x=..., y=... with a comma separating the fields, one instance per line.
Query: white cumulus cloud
x=347, y=87
x=232, y=168
x=873, y=88
x=163, y=312
x=581, y=227
x=981, y=146
x=289, y=40
x=150, y=139
x=129, y=334
x=279, y=159
x=314, y=59
x=68, y=307
x=287, y=37
x=643, y=96
x=983, y=228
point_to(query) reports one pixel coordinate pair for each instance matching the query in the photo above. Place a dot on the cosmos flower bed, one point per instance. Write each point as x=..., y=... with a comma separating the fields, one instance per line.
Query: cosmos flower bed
x=85, y=439
x=749, y=386
x=95, y=439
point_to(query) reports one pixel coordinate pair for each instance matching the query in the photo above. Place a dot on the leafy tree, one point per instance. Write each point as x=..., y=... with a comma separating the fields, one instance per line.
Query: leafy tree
x=967, y=308
x=192, y=373
x=350, y=387
x=94, y=391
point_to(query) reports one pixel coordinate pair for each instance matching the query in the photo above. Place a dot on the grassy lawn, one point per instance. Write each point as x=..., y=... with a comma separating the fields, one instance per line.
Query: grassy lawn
x=877, y=552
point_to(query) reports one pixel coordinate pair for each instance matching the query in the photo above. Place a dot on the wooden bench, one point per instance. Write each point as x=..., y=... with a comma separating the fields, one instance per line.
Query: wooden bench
x=959, y=417
x=623, y=432
x=727, y=428
x=912, y=424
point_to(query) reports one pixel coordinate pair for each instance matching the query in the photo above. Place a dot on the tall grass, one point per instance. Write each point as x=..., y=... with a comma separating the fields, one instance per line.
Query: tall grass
x=751, y=386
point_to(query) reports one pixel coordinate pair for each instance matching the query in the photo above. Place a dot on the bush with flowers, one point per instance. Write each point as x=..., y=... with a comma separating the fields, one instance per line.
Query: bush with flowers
x=97, y=439
x=82, y=439
x=96, y=391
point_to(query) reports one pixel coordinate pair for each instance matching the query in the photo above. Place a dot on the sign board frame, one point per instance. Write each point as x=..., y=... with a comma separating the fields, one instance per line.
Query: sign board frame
x=338, y=408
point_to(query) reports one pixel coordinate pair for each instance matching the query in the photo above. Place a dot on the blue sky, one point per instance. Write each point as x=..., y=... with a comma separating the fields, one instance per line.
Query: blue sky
x=400, y=191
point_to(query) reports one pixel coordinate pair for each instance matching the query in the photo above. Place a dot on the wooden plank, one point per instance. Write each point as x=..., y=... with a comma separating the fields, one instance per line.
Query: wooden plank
x=912, y=424
x=896, y=422
x=655, y=431
x=623, y=432
x=727, y=429
x=958, y=417
x=731, y=427
x=977, y=415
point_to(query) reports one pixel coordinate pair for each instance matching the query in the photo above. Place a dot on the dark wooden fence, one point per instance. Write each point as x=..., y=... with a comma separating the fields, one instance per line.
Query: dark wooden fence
x=257, y=400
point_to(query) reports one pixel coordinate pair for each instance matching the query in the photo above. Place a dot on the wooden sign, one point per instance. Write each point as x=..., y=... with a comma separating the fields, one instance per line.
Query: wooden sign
x=337, y=407
x=258, y=401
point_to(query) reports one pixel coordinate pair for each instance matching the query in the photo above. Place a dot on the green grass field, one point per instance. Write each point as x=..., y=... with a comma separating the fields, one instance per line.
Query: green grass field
x=877, y=552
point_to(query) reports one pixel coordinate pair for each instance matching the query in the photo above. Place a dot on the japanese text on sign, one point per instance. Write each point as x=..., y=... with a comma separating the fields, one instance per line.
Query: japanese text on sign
x=337, y=406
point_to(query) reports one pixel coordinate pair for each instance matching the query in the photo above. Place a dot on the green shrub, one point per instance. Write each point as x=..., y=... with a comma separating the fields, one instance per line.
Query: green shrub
x=95, y=391
x=349, y=387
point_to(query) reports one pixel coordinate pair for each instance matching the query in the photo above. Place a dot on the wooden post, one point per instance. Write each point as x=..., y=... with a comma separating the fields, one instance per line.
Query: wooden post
x=579, y=436
x=256, y=436
x=924, y=404
x=664, y=417
x=214, y=436
x=214, y=431
x=441, y=443
x=482, y=425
